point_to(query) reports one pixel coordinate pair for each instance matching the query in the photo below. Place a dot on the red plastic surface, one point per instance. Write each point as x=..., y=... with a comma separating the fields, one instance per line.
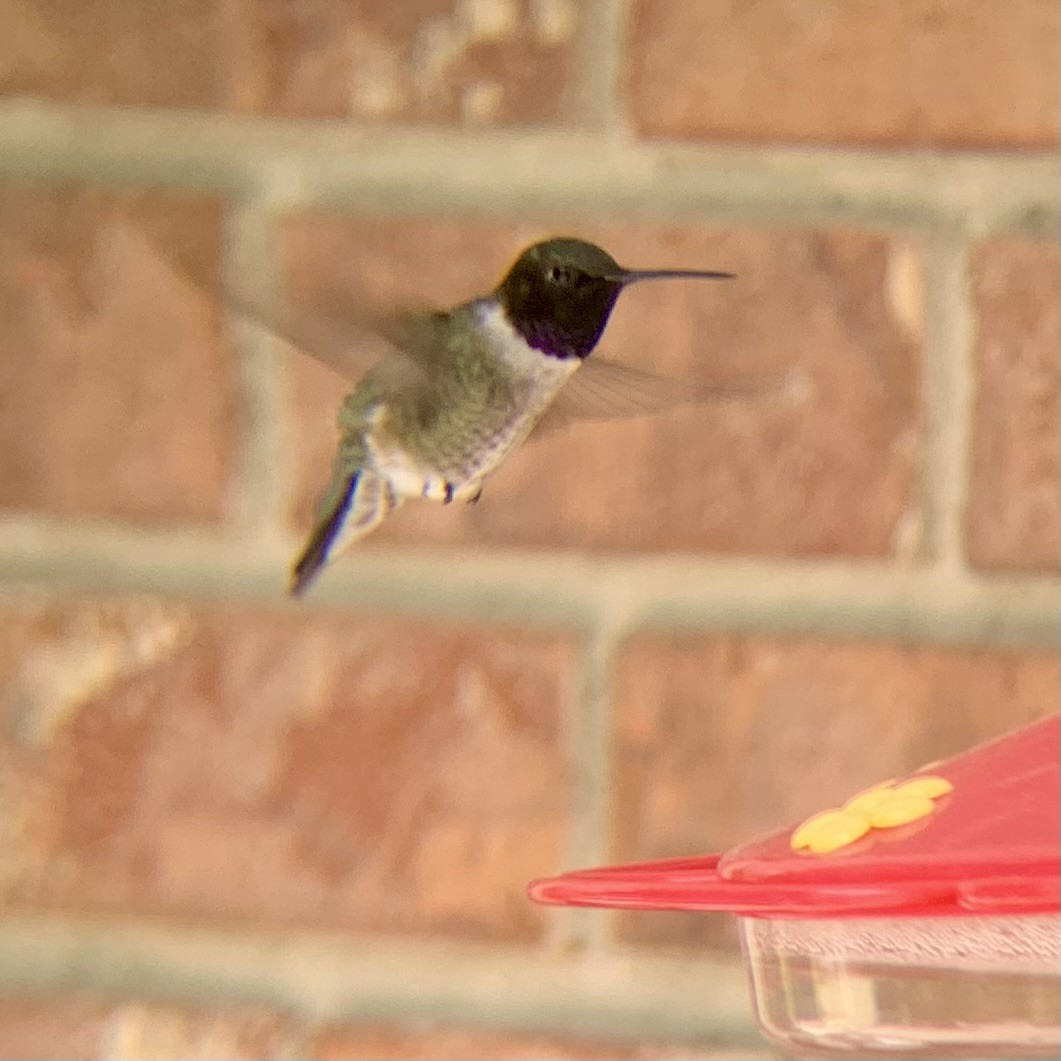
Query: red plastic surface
x=990, y=846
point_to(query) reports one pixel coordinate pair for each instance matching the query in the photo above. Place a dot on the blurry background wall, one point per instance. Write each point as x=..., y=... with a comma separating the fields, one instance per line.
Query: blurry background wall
x=234, y=828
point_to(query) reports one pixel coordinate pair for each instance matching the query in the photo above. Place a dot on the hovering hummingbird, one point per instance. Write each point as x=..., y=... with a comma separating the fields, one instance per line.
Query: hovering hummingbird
x=458, y=390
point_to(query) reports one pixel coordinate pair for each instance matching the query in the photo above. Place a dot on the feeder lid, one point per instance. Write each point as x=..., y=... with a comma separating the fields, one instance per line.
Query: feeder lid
x=976, y=834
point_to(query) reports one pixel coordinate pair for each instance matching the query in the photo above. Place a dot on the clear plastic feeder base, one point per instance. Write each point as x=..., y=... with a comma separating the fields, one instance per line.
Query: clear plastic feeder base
x=970, y=987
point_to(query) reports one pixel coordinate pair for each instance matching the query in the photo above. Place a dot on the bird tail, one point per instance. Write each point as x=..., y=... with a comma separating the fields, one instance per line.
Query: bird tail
x=356, y=503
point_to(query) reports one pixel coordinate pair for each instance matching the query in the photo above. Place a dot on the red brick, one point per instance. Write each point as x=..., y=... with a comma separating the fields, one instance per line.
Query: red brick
x=268, y=767
x=353, y=1044
x=916, y=72
x=37, y=1029
x=484, y=62
x=768, y=475
x=720, y=740
x=116, y=396
x=43, y=1028
x=1014, y=508
x=136, y=1031
x=109, y=51
x=80, y=1028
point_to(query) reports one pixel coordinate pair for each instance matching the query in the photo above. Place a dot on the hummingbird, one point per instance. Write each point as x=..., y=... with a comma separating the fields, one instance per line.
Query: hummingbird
x=458, y=390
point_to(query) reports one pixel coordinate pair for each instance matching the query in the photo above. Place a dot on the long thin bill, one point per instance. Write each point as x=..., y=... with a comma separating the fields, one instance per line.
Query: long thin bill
x=633, y=276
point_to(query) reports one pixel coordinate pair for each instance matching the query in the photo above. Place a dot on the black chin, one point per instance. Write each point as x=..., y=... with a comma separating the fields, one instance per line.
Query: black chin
x=566, y=328
x=553, y=341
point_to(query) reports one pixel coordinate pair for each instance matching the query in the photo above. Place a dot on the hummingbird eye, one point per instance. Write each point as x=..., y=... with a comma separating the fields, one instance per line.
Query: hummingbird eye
x=559, y=275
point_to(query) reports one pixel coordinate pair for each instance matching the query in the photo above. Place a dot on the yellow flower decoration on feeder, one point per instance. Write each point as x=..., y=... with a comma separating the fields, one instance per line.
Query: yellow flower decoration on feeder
x=884, y=806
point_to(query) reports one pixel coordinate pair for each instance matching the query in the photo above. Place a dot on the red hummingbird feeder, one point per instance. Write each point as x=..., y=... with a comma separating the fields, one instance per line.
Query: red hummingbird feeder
x=920, y=919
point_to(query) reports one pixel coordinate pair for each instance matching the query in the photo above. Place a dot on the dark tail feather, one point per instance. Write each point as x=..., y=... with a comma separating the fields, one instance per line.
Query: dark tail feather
x=315, y=555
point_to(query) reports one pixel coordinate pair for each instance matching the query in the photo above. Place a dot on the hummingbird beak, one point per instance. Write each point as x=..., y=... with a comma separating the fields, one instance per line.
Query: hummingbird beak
x=633, y=276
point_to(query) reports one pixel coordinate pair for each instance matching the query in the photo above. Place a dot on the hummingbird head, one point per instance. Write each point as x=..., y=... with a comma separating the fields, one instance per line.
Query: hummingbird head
x=560, y=293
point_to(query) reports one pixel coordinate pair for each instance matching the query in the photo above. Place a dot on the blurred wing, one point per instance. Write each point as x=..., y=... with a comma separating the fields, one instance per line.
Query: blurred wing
x=606, y=390
x=329, y=324
x=345, y=334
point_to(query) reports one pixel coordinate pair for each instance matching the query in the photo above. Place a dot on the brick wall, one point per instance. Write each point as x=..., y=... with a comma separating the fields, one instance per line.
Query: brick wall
x=234, y=827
